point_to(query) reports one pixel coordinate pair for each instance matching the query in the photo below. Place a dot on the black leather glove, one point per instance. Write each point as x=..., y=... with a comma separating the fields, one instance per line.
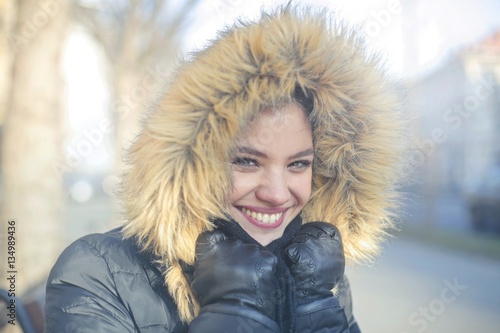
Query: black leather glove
x=316, y=260
x=235, y=279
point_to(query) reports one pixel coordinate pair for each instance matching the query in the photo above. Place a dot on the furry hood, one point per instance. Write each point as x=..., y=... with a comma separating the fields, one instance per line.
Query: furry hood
x=178, y=174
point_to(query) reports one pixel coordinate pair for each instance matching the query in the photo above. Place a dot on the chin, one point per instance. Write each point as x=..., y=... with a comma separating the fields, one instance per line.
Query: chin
x=263, y=237
x=261, y=232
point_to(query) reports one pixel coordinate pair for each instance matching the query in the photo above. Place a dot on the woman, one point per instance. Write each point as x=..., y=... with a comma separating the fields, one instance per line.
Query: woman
x=274, y=154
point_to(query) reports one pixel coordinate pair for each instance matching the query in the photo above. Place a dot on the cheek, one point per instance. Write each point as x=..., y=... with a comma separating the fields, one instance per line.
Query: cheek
x=242, y=186
x=303, y=187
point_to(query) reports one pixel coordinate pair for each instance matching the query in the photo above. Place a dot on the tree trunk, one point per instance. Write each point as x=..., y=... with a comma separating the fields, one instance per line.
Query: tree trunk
x=32, y=143
x=8, y=14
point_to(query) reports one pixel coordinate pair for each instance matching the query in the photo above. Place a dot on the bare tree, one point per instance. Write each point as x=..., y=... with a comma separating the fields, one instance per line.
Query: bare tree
x=32, y=192
x=141, y=40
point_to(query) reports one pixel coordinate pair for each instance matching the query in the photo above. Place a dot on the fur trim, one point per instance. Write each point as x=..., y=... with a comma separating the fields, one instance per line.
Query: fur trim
x=180, y=289
x=179, y=176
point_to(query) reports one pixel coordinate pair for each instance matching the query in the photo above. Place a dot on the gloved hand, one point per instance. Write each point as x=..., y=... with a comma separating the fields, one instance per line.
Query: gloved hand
x=316, y=260
x=234, y=277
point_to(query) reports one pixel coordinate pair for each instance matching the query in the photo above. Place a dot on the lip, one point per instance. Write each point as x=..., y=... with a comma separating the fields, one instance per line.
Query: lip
x=266, y=211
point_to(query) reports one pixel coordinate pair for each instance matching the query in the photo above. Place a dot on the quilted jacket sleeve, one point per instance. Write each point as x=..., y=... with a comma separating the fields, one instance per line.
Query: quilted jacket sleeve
x=81, y=294
x=102, y=283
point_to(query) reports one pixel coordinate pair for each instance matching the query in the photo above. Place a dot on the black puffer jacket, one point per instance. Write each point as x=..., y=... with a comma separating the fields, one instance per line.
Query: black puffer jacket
x=102, y=283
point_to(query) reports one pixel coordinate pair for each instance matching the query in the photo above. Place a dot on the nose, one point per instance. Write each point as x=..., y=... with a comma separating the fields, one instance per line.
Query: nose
x=274, y=188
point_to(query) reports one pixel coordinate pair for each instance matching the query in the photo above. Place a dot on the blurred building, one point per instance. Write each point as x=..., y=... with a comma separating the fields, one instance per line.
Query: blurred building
x=482, y=144
x=458, y=118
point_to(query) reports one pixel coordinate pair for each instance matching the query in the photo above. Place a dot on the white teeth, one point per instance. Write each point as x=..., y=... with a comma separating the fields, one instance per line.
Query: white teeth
x=262, y=217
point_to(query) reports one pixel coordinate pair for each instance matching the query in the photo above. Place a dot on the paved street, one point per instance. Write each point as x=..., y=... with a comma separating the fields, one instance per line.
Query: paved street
x=417, y=287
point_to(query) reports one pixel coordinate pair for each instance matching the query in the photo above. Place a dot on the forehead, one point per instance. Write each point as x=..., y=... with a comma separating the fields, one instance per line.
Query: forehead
x=286, y=126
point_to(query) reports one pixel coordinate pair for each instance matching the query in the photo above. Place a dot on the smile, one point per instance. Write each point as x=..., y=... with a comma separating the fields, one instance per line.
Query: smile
x=262, y=217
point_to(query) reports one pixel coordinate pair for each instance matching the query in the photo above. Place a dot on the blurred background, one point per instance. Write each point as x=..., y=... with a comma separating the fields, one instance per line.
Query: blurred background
x=76, y=75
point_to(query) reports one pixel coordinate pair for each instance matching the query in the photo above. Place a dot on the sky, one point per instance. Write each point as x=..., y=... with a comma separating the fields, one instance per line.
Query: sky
x=414, y=36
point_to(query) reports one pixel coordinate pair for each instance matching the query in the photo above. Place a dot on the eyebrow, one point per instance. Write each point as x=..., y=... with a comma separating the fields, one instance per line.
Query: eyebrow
x=307, y=152
x=251, y=151
x=255, y=152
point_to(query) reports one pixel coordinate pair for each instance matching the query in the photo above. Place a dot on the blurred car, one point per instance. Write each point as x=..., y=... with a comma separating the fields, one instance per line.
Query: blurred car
x=484, y=203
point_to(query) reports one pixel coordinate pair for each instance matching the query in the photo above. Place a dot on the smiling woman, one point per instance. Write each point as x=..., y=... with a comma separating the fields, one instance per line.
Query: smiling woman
x=270, y=161
x=272, y=178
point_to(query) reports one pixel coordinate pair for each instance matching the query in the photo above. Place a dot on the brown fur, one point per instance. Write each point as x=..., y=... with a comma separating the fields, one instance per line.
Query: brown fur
x=179, y=174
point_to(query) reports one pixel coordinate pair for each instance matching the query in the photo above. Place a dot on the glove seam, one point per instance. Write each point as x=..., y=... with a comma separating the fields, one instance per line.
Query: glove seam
x=245, y=313
x=318, y=306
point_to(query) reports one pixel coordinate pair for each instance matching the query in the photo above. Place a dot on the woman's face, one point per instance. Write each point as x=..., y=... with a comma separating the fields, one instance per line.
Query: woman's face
x=272, y=172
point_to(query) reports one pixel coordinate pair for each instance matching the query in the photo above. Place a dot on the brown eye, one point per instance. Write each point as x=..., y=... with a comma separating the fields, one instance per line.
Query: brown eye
x=245, y=162
x=300, y=165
